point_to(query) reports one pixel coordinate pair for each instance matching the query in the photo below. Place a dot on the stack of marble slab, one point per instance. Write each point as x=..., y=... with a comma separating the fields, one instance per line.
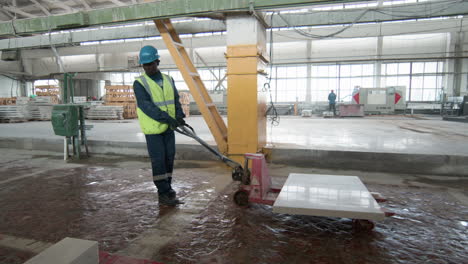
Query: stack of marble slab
x=103, y=112
x=14, y=113
x=79, y=99
x=40, y=107
x=327, y=195
x=22, y=100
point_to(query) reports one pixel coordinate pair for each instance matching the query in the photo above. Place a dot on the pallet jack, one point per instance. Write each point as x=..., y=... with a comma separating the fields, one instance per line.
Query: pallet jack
x=255, y=182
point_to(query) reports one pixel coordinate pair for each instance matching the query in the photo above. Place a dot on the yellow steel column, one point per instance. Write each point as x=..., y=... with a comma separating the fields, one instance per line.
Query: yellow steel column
x=246, y=100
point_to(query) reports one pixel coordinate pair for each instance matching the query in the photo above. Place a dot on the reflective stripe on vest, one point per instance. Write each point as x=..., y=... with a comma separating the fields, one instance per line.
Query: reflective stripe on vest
x=147, y=88
x=162, y=98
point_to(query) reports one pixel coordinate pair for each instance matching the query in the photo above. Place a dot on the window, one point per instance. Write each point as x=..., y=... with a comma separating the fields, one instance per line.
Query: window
x=324, y=78
x=116, y=78
x=354, y=75
x=129, y=77
x=289, y=83
x=422, y=79
x=209, y=76
x=340, y=78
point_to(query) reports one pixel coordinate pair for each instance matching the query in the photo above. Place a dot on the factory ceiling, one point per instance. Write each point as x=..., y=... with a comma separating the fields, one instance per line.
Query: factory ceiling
x=25, y=17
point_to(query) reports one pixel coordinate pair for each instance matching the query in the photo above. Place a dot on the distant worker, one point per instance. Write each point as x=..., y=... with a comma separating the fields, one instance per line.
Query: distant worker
x=332, y=102
x=159, y=113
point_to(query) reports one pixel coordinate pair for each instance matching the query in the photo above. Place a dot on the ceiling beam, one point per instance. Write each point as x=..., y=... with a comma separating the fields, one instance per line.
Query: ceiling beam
x=174, y=8
x=85, y=4
x=40, y=6
x=18, y=11
x=8, y=14
x=144, y=31
x=286, y=36
x=148, y=11
x=59, y=4
x=117, y=2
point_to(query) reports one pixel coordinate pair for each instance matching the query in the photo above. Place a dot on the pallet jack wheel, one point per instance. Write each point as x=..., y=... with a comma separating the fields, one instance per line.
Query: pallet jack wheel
x=241, y=198
x=363, y=225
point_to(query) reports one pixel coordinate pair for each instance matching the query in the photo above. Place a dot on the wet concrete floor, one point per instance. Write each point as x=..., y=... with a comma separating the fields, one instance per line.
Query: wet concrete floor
x=113, y=201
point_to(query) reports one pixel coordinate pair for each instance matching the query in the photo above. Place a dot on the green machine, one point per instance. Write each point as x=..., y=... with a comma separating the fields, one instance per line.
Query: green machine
x=68, y=121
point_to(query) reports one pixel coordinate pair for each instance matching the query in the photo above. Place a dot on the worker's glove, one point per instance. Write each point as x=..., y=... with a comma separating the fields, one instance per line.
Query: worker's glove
x=173, y=124
x=181, y=121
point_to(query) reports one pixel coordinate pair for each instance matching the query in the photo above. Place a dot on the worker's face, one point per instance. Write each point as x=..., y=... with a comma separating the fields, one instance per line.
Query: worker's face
x=151, y=68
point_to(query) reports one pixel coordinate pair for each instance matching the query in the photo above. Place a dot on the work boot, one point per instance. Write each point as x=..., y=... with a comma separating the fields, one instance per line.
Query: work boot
x=172, y=193
x=164, y=199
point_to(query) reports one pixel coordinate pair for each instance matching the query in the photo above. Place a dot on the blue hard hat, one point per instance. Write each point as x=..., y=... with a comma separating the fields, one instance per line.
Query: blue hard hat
x=148, y=54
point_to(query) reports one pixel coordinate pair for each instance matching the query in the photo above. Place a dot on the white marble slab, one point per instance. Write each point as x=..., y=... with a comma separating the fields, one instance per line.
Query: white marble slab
x=69, y=251
x=327, y=195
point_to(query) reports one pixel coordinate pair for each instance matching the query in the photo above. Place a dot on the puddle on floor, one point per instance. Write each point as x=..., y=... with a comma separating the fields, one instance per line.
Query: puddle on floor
x=110, y=205
x=427, y=229
x=12, y=256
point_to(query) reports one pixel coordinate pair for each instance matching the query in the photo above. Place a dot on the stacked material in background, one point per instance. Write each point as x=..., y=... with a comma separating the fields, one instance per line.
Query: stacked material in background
x=48, y=90
x=122, y=95
x=40, y=107
x=79, y=99
x=306, y=113
x=90, y=103
x=13, y=113
x=7, y=100
x=22, y=100
x=184, y=99
x=104, y=112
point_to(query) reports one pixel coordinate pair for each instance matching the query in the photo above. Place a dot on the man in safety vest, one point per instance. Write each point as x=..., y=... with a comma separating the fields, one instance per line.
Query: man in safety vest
x=159, y=113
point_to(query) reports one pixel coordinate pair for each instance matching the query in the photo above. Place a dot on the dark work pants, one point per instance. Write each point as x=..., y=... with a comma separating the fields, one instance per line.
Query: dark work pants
x=330, y=107
x=161, y=149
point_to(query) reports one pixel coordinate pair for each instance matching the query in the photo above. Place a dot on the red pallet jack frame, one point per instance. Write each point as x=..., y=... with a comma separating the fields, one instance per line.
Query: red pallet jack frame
x=256, y=186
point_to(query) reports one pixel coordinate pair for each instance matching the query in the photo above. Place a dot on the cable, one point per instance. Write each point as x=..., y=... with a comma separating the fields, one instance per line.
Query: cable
x=57, y=56
x=309, y=35
x=274, y=118
x=386, y=35
x=11, y=89
x=446, y=5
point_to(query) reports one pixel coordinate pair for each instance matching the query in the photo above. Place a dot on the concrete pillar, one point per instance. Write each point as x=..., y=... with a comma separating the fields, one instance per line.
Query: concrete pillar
x=455, y=84
x=378, y=64
x=449, y=65
x=464, y=78
x=308, y=98
x=86, y=87
x=458, y=63
x=246, y=50
x=61, y=86
x=464, y=66
x=23, y=88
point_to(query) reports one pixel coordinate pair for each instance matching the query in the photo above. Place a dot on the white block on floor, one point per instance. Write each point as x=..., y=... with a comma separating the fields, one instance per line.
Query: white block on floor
x=327, y=195
x=68, y=251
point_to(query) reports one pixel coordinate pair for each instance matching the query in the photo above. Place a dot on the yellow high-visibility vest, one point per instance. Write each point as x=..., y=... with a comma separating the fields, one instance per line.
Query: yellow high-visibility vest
x=162, y=98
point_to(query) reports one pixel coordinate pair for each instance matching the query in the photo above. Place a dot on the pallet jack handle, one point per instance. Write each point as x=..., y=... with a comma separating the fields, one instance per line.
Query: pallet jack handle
x=188, y=131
